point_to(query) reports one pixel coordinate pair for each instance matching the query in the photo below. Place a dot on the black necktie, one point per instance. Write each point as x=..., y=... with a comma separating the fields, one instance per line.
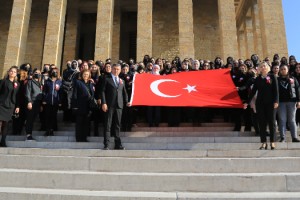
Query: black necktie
x=117, y=82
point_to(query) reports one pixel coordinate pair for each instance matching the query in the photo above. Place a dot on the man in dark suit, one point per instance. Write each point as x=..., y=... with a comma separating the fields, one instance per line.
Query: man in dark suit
x=113, y=98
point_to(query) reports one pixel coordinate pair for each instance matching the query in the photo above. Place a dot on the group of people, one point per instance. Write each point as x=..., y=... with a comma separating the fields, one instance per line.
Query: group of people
x=100, y=91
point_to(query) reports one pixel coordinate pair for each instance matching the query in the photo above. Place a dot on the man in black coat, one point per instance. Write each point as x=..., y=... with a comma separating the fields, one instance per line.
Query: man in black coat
x=113, y=98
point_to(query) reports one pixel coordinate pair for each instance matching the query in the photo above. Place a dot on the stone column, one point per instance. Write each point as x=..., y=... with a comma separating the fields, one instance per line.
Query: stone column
x=17, y=35
x=227, y=23
x=186, y=29
x=55, y=32
x=104, y=30
x=242, y=43
x=71, y=35
x=249, y=37
x=272, y=27
x=144, y=29
x=256, y=30
x=116, y=34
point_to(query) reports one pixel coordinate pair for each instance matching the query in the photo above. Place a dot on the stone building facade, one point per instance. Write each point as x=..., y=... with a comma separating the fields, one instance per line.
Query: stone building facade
x=54, y=31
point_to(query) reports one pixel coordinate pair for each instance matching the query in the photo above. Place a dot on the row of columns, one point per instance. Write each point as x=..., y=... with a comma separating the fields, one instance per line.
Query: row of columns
x=18, y=31
x=227, y=24
x=262, y=30
x=53, y=45
x=254, y=30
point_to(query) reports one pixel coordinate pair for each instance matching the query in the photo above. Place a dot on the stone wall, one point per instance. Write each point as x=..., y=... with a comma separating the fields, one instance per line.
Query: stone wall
x=206, y=29
x=71, y=40
x=5, y=14
x=36, y=33
x=165, y=29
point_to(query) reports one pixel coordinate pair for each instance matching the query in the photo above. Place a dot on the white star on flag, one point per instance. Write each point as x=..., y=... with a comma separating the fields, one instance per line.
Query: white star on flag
x=190, y=88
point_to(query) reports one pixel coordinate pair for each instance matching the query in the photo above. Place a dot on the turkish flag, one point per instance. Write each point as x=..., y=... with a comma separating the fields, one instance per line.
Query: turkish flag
x=209, y=88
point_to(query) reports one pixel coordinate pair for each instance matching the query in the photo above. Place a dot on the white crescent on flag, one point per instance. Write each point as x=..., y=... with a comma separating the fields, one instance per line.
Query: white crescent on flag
x=154, y=88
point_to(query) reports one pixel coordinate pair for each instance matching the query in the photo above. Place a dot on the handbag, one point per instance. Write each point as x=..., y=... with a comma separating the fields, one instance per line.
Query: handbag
x=93, y=105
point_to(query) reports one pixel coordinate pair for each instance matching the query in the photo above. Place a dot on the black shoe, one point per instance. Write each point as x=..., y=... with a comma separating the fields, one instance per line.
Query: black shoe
x=282, y=140
x=295, y=140
x=106, y=148
x=263, y=146
x=3, y=144
x=47, y=133
x=30, y=138
x=120, y=147
x=51, y=133
x=272, y=145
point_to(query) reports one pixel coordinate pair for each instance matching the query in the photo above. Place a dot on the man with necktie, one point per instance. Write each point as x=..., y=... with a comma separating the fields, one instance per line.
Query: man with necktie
x=113, y=99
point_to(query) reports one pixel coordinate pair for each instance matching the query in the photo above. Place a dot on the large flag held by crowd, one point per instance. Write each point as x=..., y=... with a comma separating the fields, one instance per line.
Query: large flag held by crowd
x=210, y=88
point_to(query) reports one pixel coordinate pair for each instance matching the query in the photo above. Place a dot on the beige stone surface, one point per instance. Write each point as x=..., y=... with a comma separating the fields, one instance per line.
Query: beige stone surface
x=55, y=32
x=104, y=30
x=17, y=36
x=249, y=37
x=186, y=29
x=116, y=38
x=165, y=29
x=202, y=29
x=5, y=14
x=71, y=35
x=272, y=27
x=144, y=29
x=206, y=29
x=256, y=30
x=36, y=33
x=242, y=43
x=229, y=46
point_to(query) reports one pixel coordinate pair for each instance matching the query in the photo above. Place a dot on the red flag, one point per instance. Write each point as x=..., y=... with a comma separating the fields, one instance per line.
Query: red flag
x=209, y=88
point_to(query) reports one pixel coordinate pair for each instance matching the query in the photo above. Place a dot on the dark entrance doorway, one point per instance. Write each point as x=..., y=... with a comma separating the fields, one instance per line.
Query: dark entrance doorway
x=128, y=36
x=86, y=49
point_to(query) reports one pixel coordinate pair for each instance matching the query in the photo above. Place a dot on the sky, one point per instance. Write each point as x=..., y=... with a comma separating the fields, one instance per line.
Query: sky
x=292, y=24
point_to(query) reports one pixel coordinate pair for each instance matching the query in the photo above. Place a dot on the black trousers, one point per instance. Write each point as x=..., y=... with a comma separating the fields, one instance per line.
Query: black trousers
x=51, y=117
x=265, y=116
x=153, y=115
x=112, y=123
x=18, y=123
x=82, y=127
x=31, y=115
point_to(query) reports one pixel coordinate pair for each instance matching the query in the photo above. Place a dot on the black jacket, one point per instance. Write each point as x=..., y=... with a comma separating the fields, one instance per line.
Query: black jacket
x=8, y=98
x=267, y=90
x=112, y=95
x=82, y=94
x=33, y=91
x=288, y=89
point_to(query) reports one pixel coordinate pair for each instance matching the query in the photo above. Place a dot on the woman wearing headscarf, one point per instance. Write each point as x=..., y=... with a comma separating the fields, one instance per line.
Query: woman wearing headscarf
x=153, y=112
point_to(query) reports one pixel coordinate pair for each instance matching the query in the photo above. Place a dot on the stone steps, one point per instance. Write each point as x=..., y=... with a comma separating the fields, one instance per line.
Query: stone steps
x=153, y=153
x=151, y=182
x=161, y=134
x=152, y=165
x=147, y=146
x=241, y=139
x=54, y=194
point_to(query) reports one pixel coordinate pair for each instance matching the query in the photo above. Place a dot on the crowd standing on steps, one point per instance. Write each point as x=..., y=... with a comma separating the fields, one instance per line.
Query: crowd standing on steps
x=99, y=92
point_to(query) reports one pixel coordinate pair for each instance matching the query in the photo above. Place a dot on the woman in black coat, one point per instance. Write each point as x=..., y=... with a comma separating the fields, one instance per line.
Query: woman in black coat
x=33, y=98
x=8, y=101
x=83, y=92
x=267, y=100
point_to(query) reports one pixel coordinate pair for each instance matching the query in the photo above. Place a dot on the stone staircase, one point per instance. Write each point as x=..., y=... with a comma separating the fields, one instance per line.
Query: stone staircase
x=186, y=162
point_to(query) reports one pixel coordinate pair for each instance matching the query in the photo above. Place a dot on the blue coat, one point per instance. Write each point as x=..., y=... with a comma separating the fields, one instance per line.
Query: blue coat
x=81, y=96
x=52, y=92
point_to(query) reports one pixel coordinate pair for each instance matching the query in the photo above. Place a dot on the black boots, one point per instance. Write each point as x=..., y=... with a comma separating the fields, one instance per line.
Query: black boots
x=3, y=141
